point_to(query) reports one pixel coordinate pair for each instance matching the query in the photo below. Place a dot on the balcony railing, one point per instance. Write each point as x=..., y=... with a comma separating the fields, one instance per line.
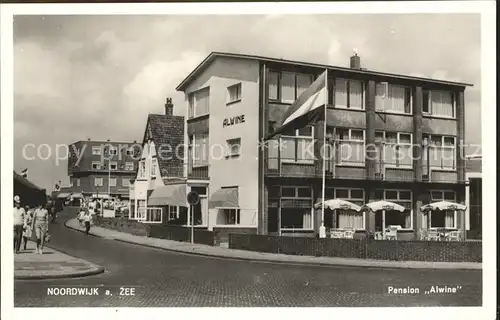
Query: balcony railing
x=355, y=170
x=198, y=173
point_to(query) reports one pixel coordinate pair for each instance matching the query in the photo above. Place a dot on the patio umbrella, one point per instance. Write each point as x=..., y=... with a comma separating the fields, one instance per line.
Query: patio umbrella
x=334, y=204
x=383, y=205
x=443, y=205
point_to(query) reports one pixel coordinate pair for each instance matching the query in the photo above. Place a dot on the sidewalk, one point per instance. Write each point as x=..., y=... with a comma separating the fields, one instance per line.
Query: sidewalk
x=205, y=250
x=52, y=264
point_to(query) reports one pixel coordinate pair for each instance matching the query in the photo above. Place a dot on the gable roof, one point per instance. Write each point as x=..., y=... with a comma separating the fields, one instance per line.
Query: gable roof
x=19, y=178
x=214, y=55
x=166, y=130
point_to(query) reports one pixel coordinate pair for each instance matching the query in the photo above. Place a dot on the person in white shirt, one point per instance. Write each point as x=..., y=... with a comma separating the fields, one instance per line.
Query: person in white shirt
x=87, y=218
x=19, y=223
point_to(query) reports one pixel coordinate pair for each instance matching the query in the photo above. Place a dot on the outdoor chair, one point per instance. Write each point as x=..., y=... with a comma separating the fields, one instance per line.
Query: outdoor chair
x=336, y=234
x=348, y=234
x=433, y=235
x=455, y=235
x=391, y=234
x=423, y=234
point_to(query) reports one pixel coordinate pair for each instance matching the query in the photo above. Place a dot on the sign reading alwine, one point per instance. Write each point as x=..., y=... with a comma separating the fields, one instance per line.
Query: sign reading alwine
x=233, y=120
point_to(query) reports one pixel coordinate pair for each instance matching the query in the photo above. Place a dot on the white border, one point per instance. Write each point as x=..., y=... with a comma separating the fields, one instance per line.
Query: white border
x=488, y=86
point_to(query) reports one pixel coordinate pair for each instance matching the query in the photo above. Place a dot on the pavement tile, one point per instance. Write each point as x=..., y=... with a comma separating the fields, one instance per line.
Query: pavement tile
x=268, y=257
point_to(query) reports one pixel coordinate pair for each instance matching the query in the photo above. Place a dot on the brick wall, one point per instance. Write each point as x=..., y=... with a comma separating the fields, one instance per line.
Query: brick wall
x=468, y=251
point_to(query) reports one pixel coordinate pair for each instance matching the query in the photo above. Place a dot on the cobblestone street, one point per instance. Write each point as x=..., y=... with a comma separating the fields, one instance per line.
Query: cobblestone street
x=167, y=279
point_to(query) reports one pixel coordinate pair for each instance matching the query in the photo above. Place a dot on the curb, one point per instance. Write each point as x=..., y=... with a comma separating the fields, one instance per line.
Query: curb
x=96, y=270
x=316, y=264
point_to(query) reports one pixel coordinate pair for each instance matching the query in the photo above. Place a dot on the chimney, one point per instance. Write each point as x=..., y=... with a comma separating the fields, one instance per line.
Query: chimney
x=355, y=61
x=169, y=107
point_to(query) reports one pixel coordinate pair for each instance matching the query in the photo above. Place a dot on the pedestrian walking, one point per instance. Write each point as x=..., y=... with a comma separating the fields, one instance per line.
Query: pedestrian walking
x=41, y=227
x=87, y=218
x=28, y=220
x=19, y=221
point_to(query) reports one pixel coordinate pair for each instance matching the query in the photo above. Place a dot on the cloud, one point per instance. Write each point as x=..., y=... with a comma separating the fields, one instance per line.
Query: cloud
x=99, y=76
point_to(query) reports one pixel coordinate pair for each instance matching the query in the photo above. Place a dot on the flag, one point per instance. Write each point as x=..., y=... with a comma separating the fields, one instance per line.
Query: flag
x=24, y=173
x=303, y=110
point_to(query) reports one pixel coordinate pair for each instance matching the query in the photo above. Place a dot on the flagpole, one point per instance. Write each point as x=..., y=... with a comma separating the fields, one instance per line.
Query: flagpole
x=322, y=230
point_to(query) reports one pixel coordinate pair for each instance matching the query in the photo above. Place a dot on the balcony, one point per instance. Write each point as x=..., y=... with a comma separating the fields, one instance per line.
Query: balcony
x=390, y=172
x=198, y=173
x=288, y=168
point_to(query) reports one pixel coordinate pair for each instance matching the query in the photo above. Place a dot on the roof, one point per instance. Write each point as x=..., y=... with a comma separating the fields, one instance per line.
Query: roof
x=19, y=178
x=214, y=55
x=165, y=129
x=473, y=165
x=103, y=142
x=474, y=156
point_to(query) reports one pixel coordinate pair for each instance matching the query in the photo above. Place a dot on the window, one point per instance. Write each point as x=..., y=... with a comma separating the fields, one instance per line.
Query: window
x=153, y=215
x=231, y=216
x=345, y=218
x=154, y=166
x=199, y=149
x=142, y=170
x=112, y=182
x=296, y=208
x=70, y=182
x=112, y=150
x=129, y=166
x=199, y=190
x=130, y=151
x=96, y=165
x=125, y=182
x=349, y=147
x=297, y=146
x=113, y=165
x=288, y=86
x=395, y=218
x=349, y=94
x=78, y=182
x=440, y=152
x=396, y=149
x=98, y=182
x=439, y=103
x=141, y=210
x=234, y=93
x=438, y=218
x=96, y=151
x=393, y=98
x=199, y=103
x=233, y=147
x=173, y=213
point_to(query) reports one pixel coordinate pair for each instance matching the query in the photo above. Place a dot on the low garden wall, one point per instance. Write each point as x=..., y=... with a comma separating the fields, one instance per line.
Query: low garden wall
x=180, y=233
x=433, y=251
x=123, y=225
x=221, y=234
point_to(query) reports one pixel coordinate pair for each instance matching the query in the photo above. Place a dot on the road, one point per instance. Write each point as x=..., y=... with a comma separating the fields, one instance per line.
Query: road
x=167, y=279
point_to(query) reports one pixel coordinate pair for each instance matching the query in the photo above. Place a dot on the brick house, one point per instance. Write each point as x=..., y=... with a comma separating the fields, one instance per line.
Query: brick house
x=158, y=191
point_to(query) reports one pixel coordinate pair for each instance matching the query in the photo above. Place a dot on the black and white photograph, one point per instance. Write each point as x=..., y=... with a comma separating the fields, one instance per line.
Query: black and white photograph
x=283, y=155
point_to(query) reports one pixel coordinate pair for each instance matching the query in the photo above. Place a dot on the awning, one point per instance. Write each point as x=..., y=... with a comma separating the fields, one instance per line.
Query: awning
x=77, y=195
x=172, y=195
x=63, y=195
x=224, y=198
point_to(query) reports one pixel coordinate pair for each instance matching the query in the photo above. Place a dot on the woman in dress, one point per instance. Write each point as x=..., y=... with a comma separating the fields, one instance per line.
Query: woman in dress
x=27, y=232
x=41, y=227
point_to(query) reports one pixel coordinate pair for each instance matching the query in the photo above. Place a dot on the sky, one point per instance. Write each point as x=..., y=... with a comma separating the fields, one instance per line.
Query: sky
x=98, y=77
